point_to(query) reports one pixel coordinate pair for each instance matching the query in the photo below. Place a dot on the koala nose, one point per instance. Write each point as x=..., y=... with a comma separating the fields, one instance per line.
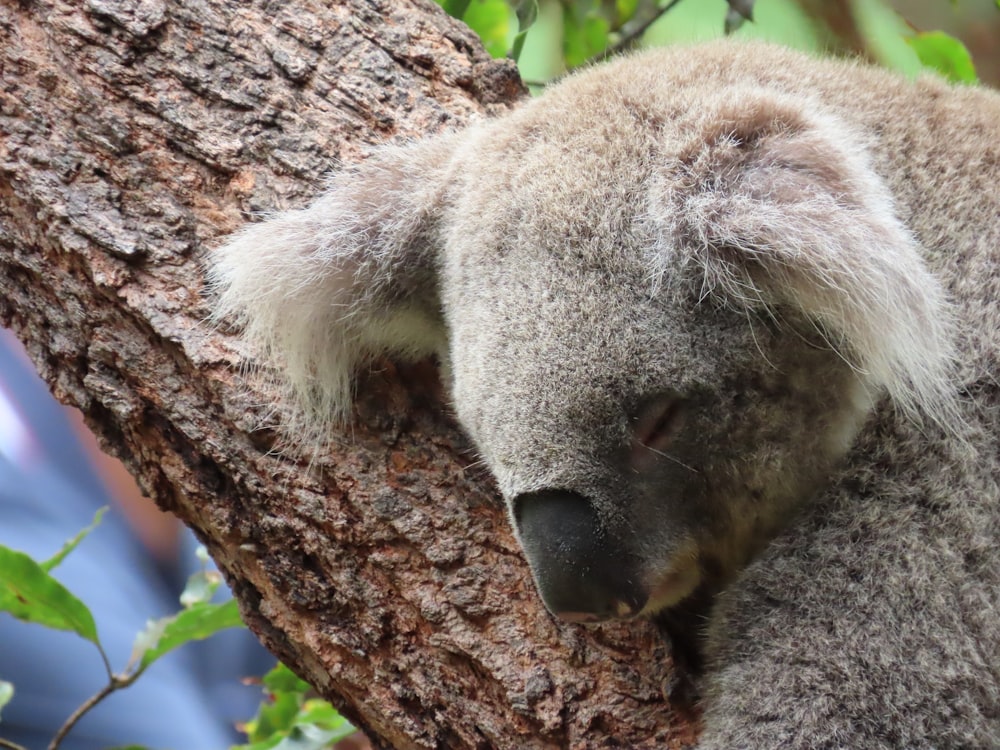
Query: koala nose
x=583, y=573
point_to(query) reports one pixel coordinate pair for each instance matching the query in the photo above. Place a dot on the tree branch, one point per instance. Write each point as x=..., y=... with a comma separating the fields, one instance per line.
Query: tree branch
x=136, y=134
x=631, y=35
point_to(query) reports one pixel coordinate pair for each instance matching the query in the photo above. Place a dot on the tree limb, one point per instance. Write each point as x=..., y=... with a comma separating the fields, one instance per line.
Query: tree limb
x=136, y=133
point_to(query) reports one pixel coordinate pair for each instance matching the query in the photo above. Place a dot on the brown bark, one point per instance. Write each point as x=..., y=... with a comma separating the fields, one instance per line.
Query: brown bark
x=135, y=133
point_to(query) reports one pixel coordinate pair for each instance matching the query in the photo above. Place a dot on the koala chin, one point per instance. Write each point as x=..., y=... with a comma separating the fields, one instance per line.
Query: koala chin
x=723, y=322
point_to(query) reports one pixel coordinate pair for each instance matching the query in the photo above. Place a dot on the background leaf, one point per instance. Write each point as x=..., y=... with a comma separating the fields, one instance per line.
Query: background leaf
x=492, y=20
x=29, y=593
x=944, y=54
x=195, y=623
x=289, y=720
x=71, y=544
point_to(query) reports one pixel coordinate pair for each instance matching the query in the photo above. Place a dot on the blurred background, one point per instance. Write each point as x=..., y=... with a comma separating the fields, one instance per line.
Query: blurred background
x=567, y=33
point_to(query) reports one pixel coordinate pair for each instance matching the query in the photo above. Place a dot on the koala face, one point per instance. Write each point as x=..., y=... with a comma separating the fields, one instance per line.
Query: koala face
x=664, y=312
x=647, y=439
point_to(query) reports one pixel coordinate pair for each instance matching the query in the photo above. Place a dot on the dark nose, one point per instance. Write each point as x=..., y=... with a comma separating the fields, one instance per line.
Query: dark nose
x=583, y=573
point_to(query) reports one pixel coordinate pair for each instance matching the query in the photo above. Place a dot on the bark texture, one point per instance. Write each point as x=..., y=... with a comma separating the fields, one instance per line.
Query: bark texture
x=134, y=134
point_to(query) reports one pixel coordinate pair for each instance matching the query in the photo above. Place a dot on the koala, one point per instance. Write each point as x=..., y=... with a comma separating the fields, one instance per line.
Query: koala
x=723, y=323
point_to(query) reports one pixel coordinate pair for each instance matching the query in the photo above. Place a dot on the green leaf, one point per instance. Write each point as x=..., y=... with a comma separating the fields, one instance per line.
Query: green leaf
x=275, y=717
x=71, y=544
x=527, y=14
x=322, y=714
x=313, y=726
x=288, y=720
x=6, y=693
x=583, y=37
x=455, y=8
x=515, y=50
x=944, y=54
x=267, y=744
x=302, y=737
x=491, y=20
x=195, y=623
x=283, y=680
x=32, y=595
x=625, y=9
x=286, y=695
x=312, y=737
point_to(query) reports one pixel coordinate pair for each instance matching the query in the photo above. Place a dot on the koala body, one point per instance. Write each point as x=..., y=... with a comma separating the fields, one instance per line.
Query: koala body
x=723, y=322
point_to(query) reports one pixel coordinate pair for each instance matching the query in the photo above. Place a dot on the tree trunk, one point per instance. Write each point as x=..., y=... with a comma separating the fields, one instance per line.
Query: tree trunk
x=136, y=133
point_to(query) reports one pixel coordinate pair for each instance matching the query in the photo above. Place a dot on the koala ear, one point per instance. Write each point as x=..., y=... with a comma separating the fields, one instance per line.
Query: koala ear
x=783, y=208
x=321, y=290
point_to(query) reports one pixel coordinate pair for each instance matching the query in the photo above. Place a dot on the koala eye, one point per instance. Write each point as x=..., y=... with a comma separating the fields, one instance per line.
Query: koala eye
x=656, y=423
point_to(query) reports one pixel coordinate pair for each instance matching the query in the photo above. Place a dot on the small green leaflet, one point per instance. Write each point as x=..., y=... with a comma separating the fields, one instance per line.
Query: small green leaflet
x=288, y=720
x=29, y=593
x=197, y=622
x=304, y=737
x=527, y=13
x=71, y=544
x=944, y=54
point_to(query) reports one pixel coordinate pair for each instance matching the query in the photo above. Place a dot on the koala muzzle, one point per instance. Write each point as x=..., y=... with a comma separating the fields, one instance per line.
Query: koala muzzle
x=583, y=573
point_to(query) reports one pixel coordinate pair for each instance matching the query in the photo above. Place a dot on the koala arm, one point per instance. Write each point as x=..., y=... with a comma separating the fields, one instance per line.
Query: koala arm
x=857, y=627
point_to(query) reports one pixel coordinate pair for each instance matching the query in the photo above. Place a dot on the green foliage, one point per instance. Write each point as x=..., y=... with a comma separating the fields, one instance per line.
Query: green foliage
x=288, y=721
x=502, y=25
x=944, y=54
x=195, y=623
x=587, y=30
x=492, y=20
x=6, y=693
x=779, y=21
x=30, y=594
x=71, y=544
x=527, y=14
x=199, y=619
x=291, y=719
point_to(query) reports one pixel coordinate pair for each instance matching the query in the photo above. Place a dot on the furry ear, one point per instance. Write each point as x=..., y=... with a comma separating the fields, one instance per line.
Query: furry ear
x=782, y=207
x=321, y=290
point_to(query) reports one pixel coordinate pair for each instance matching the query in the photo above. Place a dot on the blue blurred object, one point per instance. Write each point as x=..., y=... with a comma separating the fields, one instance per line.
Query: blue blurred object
x=49, y=490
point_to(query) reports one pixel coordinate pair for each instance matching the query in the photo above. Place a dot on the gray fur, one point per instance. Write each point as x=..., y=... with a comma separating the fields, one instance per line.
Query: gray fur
x=742, y=302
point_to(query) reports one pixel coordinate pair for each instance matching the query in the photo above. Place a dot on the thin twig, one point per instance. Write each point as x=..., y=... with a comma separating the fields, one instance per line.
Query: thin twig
x=107, y=663
x=11, y=745
x=115, y=683
x=628, y=38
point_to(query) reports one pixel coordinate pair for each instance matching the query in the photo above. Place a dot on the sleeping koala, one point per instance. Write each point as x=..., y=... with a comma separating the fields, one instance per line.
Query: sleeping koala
x=723, y=322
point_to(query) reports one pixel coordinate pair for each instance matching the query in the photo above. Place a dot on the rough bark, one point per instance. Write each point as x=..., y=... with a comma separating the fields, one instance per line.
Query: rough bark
x=134, y=134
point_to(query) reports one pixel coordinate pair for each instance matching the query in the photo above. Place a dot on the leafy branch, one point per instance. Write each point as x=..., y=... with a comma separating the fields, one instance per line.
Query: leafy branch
x=31, y=594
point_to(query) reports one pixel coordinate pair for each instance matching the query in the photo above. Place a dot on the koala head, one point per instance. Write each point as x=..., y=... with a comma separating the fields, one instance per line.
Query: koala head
x=663, y=315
